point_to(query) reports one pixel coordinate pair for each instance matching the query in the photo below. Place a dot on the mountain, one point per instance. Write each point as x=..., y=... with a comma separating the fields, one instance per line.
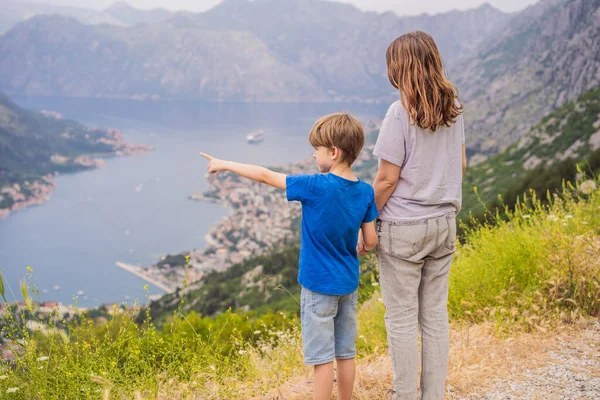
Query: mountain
x=60, y=56
x=544, y=57
x=12, y=12
x=290, y=28
x=341, y=47
x=511, y=69
x=121, y=14
x=270, y=50
x=130, y=16
x=567, y=136
x=34, y=146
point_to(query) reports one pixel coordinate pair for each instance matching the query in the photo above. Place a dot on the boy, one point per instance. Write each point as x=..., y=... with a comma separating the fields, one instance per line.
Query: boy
x=336, y=207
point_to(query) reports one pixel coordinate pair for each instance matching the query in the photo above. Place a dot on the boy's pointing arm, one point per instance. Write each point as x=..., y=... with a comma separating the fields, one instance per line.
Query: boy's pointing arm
x=253, y=172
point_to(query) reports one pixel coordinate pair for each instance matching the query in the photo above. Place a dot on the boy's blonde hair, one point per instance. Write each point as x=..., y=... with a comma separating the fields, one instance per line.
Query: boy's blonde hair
x=339, y=130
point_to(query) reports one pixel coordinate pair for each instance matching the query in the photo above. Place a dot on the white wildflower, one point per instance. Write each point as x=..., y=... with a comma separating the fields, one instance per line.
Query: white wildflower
x=526, y=216
x=552, y=217
x=41, y=367
x=257, y=332
x=2, y=377
x=380, y=300
x=568, y=216
x=12, y=390
x=43, y=358
x=242, y=352
x=588, y=187
x=375, y=284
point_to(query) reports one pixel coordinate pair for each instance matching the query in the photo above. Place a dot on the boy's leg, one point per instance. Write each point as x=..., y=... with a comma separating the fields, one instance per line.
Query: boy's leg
x=346, y=331
x=323, y=381
x=317, y=313
x=346, y=371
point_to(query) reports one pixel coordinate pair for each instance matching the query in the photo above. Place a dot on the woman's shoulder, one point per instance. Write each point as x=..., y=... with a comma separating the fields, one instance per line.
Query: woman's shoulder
x=396, y=109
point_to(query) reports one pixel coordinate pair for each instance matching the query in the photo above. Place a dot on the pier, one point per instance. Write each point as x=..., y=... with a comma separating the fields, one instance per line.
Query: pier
x=139, y=272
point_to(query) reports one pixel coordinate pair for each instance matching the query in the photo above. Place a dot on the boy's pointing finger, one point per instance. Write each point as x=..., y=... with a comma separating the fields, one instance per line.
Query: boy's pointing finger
x=209, y=158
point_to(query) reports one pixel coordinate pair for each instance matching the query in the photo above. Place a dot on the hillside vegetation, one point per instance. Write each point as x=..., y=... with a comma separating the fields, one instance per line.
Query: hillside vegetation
x=535, y=271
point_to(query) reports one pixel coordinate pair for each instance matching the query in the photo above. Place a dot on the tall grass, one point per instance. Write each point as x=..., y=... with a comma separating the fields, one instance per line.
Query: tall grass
x=538, y=267
x=536, y=264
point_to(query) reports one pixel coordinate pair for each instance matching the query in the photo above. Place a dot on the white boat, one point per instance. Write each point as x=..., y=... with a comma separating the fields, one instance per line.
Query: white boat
x=256, y=137
x=57, y=288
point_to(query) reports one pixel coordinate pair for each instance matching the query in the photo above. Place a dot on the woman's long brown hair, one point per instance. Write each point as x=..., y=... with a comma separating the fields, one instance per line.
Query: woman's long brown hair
x=416, y=69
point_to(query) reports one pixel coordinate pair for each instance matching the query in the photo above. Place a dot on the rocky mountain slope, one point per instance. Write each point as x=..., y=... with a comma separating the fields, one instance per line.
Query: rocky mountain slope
x=571, y=132
x=545, y=56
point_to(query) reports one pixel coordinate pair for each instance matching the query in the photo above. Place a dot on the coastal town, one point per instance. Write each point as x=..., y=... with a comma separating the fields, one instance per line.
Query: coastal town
x=260, y=217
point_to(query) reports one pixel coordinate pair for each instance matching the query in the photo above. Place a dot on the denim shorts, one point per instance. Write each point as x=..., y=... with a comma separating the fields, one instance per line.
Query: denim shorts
x=329, y=326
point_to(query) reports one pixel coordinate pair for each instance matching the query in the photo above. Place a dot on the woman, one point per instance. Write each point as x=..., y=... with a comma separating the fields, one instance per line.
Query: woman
x=418, y=192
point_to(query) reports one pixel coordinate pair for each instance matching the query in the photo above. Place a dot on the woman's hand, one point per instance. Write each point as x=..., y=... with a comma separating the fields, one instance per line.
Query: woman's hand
x=215, y=164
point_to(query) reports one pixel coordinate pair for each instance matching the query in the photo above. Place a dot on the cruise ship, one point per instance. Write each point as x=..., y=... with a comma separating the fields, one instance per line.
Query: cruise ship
x=256, y=137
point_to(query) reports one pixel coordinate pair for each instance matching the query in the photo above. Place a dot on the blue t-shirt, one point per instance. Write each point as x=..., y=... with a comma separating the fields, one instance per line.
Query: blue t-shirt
x=333, y=209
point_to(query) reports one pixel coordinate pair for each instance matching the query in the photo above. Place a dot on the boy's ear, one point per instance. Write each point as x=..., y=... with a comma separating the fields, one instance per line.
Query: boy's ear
x=335, y=153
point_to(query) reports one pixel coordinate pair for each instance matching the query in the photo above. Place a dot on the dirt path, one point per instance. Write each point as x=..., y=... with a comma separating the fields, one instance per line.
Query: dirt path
x=562, y=365
x=571, y=372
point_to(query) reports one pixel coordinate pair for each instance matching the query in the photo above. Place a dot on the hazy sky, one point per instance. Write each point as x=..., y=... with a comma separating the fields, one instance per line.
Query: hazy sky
x=401, y=7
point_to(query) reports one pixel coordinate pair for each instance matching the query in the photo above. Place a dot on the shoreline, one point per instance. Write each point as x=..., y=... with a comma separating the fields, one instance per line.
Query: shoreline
x=43, y=186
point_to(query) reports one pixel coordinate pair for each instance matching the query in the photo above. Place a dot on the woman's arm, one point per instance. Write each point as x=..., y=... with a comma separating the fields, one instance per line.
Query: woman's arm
x=367, y=238
x=253, y=172
x=385, y=182
x=464, y=159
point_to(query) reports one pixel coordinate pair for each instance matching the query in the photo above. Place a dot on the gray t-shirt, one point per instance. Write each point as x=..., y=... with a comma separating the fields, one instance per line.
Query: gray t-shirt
x=430, y=164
